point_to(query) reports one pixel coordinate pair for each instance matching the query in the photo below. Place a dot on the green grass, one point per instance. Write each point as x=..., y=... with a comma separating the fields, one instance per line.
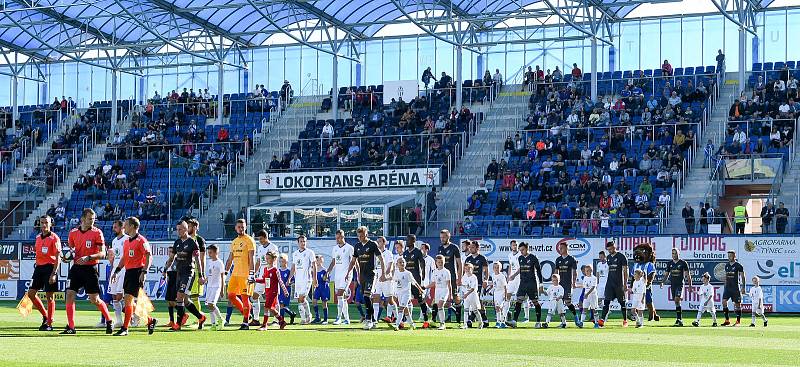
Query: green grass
x=657, y=344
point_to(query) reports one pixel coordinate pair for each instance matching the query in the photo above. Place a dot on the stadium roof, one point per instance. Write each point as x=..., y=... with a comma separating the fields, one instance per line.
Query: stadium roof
x=86, y=29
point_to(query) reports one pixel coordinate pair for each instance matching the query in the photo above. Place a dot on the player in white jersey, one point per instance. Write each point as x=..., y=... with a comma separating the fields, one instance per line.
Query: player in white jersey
x=556, y=305
x=602, y=277
x=513, y=284
x=757, y=302
x=590, y=299
x=115, y=289
x=442, y=289
x=384, y=289
x=403, y=281
x=706, y=293
x=342, y=263
x=468, y=292
x=215, y=278
x=499, y=287
x=263, y=247
x=304, y=272
x=427, y=273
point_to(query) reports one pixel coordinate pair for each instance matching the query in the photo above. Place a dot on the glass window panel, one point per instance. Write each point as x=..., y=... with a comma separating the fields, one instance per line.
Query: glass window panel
x=671, y=35
x=444, y=58
x=274, y=70
x=426, y=56
x=5, y=90
x=515, y=60
x=391, y=60
x=713, y=36
x=692, y=51
x=408, y=60
x=372, y=218
x=304, y=221
x=573, y=53
x=373, y=68
x=774, y=39
x=348, y=221
x=326, y=222
x=650, y=50
x=731, y=46
x=325, y=71
x=628, y=51
x=291, y=68
x=309, y=72
x=793, y=27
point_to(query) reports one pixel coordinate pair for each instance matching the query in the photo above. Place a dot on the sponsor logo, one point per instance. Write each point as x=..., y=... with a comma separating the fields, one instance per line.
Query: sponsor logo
x=577, y=247
x=487, y=247
x=701, y=248
x=783, y=274
x=787, y=299
x=772, y=246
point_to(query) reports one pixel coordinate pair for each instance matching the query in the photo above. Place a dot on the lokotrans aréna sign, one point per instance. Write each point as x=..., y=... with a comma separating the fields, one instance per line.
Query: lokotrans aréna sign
x=377, y=179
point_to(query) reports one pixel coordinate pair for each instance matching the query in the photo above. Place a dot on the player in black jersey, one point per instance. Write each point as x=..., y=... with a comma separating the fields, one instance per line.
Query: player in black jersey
x=480, y=267
x=366, y=252
x=616, y=283
x=530, y=282
x=734, y=288
x=415, y=263
x=677, y=272
x=567, y=268
x=452, y=262
x=185, y=255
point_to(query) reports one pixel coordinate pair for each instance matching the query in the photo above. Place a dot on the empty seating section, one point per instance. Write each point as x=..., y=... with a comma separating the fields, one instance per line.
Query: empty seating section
x=605, y=168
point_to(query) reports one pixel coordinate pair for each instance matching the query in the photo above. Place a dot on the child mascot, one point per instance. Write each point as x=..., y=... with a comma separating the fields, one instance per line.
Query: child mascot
x=644, y=258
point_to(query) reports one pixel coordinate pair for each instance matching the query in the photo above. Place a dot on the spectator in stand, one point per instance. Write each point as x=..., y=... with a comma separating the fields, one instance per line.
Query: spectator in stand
x=781, y=218
x=666, y=68
x=504, y=205
x=295, y=164
x=767, y=215
x=557, y=75
x=577, y=74
x=492, y=170
x=286, y=93
x=740, y=136
x=222, y=135
x=427, y=75
x=720, y=61
x=509, y=180
x=688, y=218
x=497, y=79
x=274, y=165
x=473, y=205
x=327, y=131
x=445, y=81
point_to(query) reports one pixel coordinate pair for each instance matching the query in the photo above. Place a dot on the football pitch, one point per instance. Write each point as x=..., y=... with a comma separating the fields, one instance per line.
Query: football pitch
x=657, y=344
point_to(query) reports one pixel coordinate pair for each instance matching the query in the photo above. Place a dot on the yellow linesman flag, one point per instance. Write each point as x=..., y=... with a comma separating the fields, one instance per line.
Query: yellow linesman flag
x=25, y=306
x=143, y=305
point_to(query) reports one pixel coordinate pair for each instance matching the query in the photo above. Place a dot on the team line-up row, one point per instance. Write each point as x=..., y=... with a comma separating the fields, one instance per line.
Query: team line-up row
x=366, y=273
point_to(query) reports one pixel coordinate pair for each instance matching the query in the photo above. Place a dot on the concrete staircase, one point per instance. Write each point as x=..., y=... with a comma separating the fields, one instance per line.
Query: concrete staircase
x=242, y=190
x=697, y=186
x=94, y=157
x=32, y=160
x=503, y=118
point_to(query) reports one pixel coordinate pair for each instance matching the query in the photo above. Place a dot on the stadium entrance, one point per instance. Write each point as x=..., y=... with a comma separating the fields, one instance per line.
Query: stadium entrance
x=321, y=214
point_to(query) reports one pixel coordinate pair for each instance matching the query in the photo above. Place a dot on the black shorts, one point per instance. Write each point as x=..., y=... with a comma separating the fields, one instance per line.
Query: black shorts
x=184, y=281
x=528, y=290
x=567, y=293
x=84, y=277
x=131, y=284
x=41, y=278
x=732, y=293
x=617, y=292
x=676, y=291
x=366, y=285
x=172, y=287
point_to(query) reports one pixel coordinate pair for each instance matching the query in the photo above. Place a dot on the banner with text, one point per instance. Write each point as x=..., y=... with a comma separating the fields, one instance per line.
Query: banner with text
x=330, y=180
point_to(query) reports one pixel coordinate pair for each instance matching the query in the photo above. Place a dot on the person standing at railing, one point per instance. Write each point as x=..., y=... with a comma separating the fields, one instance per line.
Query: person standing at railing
x=427, y=75
x=781, y=218
x=740, y=218
x=708, y=151
x=666, y=68
x=767, y=214
x=688, y=218
x=720, y=62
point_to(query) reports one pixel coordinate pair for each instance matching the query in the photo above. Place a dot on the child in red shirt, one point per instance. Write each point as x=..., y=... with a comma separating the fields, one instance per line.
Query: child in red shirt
x=271, y=280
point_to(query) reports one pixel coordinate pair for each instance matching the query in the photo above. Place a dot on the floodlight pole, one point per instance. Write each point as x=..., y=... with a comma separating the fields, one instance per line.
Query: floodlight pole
x=220, y=93
x=742, y=59
x=459, y=79
x=594, y=70
x=335, y=88
x=114, y=106
x=14, y=102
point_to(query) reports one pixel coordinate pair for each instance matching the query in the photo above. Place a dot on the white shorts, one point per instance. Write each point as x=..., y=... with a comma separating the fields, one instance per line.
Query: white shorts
x=601, y=291
x=499, y=298
x=342, y=281
x=710, y=308
x=637, y=302
x=472, y=302
x=384, y=289
x=758, y=310
x=301, y=287
x=212, y=295
x=440, y=295
x=404, y=300
x=513, y=287
x=116, y=286
x=590, y=302
x=556, y=308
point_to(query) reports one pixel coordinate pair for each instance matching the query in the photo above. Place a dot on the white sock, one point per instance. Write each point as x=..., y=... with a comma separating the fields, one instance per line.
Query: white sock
x=391, y=310
x=301, y=309
x=442, y=314
x=563, y=318
x=217, y=313
x=213, y=315
x=376, y=308
x=308, y=310
x=714, y=317
x=478, y=317
x=526, y=305
x=339, y=309
x=118, y=305
x=753, y=319
x=549, y=316
x=466, y=316
x=346, y=309
x=256, y=308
